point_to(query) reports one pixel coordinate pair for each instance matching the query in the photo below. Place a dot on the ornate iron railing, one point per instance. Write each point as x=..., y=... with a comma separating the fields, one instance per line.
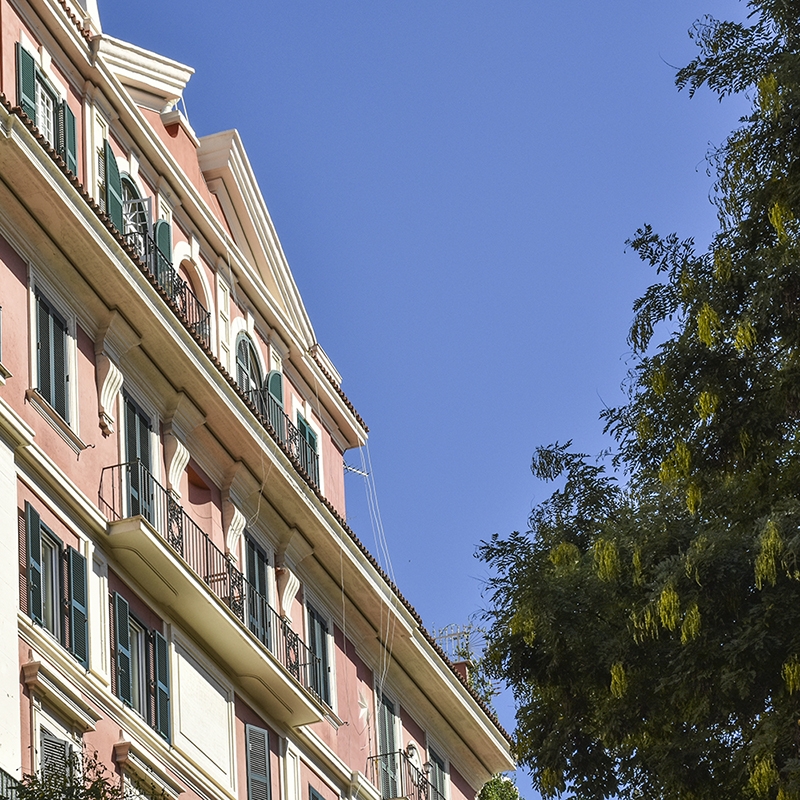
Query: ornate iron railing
x=173, y=285
x=8, y=786
x=395, y=775
x=287, y=431
x=129, y=490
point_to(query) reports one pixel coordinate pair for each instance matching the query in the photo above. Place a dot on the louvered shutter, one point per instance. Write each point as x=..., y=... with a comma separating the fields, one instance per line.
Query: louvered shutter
x=164, y=238
x=276, y=416
x=44, y=346
x=26, y=82
x=123, y=648
x=161, y=676
x=54, y=755
x=318, y=642
x=275, y=385
x=258, y=787
x=34, y=535
x=60, y=373
x=113, y=187
x=386, y=747
x=67, y=137
x=77, y=601
x=243, y=364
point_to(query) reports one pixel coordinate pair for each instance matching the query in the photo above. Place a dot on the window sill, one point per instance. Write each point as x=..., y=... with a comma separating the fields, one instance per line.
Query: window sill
x=4, y=374
x=56, y=421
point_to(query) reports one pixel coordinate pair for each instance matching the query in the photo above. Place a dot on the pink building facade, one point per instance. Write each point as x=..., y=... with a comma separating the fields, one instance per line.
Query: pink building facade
x=179, y=591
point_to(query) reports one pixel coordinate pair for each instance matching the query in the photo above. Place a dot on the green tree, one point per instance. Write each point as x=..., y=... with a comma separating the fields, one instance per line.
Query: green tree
x=649, y=620
x=84, y=778
x=500, y=787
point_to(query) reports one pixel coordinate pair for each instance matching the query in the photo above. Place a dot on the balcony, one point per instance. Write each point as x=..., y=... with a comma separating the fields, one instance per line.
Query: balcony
x=175, y=287
x=8, y=786
x=396, y=776
x=288, y=433
x=158, y=542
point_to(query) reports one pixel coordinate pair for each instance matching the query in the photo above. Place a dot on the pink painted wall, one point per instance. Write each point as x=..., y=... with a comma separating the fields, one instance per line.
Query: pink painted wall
x=353, y=680
x=309, y=777
x=202, y=501
x=185, y=153
x=459, y=788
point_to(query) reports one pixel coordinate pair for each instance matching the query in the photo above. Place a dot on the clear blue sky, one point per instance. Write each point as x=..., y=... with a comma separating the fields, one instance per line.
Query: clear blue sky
x=453, y=183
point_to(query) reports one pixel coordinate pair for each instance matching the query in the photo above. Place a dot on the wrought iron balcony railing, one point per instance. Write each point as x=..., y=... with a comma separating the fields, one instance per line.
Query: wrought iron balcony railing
x=396, y=776
x=8, y=786
x=287, y=431
x=173, y=285
x=129, y=490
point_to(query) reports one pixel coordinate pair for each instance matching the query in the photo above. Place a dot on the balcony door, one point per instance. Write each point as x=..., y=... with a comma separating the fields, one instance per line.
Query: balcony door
x=387, y=747
x=258, y=616
x=138, y=431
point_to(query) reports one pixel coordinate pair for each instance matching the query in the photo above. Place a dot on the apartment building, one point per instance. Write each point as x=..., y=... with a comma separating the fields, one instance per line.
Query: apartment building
x=179, y=590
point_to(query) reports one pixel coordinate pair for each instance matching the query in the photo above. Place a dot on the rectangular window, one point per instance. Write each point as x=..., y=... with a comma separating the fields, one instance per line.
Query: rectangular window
x=52, y=116
x=57, y=589
x=258, y=783
x=52, y=357
x=141, y=661
x=318, y=643
x=437, y=775
x=45, y=111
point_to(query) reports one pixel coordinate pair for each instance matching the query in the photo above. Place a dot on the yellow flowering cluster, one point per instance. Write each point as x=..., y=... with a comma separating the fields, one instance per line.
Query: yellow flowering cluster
x=770, y=549
x=708, y=326
x=606, y=560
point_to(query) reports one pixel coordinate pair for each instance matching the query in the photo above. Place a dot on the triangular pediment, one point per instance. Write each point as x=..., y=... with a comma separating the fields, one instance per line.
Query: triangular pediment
x=230, y=177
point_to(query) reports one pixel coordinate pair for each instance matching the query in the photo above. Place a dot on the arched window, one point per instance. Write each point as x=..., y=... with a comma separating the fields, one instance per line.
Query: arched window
x=248, y=373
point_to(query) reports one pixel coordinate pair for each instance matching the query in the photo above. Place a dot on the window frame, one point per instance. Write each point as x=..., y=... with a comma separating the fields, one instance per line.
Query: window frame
x=61, y=133
x=67, y=423
x=65, y=581
x=439, y=762
x=253, y=368
x=150, y=668
x=326, y=674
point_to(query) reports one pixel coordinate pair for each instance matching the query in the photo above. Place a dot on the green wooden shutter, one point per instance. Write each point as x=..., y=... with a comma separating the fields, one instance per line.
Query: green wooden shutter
x=318, y=642
x=52, y=359
x=67, y=137
x=44, y=347
x=33, y=531
x=161, y=674
x=26, y=82
x=123, y=648
x=113, y=187
x=258, y=784
x=78, y=606
x=387, y=747
x=164, y=238
x=275, y=385
x=59, y=371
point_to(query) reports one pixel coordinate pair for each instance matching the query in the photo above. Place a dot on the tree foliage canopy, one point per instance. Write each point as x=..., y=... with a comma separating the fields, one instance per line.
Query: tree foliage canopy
x=649, y=620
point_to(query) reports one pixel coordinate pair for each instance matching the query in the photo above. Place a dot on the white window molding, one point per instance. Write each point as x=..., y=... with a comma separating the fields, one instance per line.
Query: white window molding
x=67, y=428
x=145, y=773
x=49, y=689
x=313, y=606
